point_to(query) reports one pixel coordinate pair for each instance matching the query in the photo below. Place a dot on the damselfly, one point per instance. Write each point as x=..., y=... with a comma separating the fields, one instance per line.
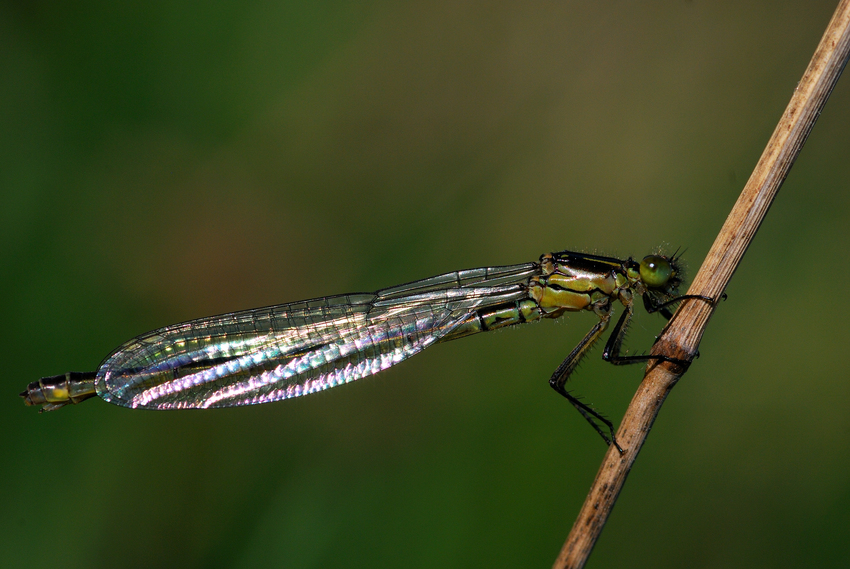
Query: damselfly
x=289, y=350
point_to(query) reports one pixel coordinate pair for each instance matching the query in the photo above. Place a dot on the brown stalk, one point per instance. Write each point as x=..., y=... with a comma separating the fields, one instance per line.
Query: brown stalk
x=682, y=336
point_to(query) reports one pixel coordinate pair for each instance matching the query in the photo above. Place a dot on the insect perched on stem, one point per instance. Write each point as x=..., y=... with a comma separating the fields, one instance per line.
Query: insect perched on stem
x=278, y=352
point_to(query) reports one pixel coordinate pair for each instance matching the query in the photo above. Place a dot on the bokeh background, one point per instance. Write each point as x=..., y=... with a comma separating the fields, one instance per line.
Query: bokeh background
x=166, y=160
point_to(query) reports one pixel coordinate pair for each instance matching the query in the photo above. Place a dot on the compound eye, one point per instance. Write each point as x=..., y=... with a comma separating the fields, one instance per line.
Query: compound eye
x=655, y=271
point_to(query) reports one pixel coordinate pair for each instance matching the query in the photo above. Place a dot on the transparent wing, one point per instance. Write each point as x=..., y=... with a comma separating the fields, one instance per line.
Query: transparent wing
x=278, y=352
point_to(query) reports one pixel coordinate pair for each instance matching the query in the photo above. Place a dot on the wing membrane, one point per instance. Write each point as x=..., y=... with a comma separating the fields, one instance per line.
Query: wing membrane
x=266, y=354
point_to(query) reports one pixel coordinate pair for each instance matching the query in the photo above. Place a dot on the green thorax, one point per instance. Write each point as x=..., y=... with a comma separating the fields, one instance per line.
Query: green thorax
x=574, y=281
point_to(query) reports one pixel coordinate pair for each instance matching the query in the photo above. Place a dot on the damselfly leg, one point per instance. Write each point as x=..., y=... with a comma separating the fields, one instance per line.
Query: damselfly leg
x=559, y=380
x=611, y=354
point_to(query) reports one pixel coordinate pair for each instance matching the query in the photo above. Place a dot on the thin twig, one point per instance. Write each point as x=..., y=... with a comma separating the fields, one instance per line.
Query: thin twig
x=682, y=336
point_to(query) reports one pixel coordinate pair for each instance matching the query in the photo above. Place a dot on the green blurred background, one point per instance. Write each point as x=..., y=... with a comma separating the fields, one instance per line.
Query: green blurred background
x=161, y=161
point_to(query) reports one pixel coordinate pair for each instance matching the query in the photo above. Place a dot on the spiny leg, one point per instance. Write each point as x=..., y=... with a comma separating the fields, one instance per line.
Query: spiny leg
x=611, y=353
x=559, y=380
x=651, y=307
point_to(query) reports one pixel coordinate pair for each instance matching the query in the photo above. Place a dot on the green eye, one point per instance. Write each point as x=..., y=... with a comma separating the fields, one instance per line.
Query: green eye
x=655, y=271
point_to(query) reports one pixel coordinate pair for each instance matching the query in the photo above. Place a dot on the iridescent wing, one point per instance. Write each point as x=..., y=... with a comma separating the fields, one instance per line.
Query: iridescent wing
x=266, y=354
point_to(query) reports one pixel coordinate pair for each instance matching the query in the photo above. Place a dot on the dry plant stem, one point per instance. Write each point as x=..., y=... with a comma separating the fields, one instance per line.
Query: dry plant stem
x=682, y=336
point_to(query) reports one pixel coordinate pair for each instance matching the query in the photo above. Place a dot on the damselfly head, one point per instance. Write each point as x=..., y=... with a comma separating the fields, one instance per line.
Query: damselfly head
x=662, y=273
